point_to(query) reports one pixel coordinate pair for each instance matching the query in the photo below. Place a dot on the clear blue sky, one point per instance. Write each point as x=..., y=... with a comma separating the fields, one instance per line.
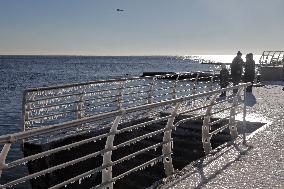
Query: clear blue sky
x=146, y=27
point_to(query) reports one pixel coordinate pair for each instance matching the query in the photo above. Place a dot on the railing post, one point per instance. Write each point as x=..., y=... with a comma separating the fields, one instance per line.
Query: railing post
x=212, y=81
x=119, y=96
x=194, y=91
x=151, y=90
x=278, y=59
x=266, y=60
x=261, y=60
x=80, y=104
x=206, y=136
x=232, y=120
x=255, y=80
x=167, y=147
x=271, y=60
x=3, y=156
x=26, y=107
x=244, y=118
x=107, y=172
x=175, y=86
x=24, y=111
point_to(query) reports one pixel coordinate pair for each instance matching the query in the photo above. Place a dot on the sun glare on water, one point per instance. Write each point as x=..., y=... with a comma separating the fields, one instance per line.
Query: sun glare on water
x=222, y=58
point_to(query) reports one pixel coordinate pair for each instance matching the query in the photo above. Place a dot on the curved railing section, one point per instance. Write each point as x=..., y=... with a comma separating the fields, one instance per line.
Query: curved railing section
x=158, y=119
x=51, y=105
x=272, y=58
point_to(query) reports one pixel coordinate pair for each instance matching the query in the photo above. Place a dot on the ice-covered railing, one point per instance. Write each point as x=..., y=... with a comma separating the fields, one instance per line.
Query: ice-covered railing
x=201, y=105
x=272, y=58
x=50, y=105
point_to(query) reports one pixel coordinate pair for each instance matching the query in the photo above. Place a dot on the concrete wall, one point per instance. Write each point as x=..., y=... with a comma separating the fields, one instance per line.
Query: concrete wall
x=187, y=148
x=270, y=73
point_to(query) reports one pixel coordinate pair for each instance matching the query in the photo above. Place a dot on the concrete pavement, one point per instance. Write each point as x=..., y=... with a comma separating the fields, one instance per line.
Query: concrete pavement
x=259, y=165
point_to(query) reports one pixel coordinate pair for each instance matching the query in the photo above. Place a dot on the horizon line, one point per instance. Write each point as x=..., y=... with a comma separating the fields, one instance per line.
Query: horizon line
x=113, y=55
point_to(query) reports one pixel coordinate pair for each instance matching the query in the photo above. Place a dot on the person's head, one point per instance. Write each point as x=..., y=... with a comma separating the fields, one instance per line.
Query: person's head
x=239, y=54
x=223, y=66
x=249, y=56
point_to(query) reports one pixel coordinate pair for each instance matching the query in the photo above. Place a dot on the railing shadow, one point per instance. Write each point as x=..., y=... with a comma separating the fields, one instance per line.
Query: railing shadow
x=268, y=84
x=200, y=165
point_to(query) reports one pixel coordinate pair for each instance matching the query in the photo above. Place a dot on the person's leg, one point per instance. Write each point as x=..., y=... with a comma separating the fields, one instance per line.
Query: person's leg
x=249, y=88
x=236, y=81
x=223, y=94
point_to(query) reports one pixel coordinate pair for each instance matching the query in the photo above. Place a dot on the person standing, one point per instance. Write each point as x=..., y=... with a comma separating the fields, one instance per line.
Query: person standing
x=249, y=74
x=224, y=79
x=237, y=69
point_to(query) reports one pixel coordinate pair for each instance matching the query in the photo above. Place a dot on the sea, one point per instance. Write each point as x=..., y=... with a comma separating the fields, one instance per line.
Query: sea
x=18, y=73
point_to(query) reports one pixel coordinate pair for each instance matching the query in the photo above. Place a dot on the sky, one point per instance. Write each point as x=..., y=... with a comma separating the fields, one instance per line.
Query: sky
x=145, y=27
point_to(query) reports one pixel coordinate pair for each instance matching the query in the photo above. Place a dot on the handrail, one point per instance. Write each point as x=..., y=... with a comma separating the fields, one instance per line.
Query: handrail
x=271, y=58
x=105, y=81
x=42, y=130
x=175, y=107
x=206, y=135
x=48, y=105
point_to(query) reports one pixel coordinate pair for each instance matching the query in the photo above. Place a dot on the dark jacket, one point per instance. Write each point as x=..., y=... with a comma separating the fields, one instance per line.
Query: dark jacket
x=249, y=71
x=236, y=67
x=224, y=78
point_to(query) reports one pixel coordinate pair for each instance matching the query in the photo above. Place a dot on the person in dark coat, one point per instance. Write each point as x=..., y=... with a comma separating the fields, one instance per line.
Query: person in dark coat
x=237, y=70
x=249, y=74
x=224, y=79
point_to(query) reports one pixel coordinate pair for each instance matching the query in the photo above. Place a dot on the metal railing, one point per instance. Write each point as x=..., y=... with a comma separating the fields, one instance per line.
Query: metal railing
x=272, y=58
x=163, y=113
x=51, y=105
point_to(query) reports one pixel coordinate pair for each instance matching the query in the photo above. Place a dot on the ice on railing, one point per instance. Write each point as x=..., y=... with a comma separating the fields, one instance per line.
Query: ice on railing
x=51, y=106
x=138, y=125
x=76, y=130
x=272, y=58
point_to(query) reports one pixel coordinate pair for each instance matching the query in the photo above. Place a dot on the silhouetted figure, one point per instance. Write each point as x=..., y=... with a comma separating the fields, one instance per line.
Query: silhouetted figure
x=249, y=74
x=237, y=69
x=224, y=79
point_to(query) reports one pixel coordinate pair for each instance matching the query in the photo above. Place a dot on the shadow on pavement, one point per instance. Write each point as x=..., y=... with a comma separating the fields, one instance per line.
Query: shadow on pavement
x=250, y=99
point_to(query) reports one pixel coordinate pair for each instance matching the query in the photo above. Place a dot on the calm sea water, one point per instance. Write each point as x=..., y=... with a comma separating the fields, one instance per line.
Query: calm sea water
x=18, y=73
